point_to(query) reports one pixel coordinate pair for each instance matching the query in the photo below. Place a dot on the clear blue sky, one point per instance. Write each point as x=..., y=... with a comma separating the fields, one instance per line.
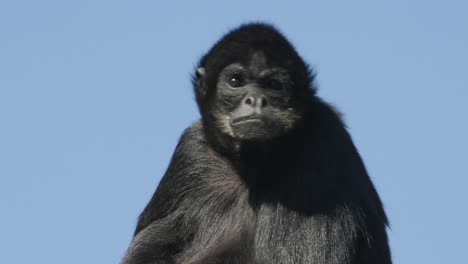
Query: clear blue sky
x=95, y=94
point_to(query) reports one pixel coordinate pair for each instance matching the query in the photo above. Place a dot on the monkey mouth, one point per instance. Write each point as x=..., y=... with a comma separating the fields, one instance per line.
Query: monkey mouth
x=247, y=120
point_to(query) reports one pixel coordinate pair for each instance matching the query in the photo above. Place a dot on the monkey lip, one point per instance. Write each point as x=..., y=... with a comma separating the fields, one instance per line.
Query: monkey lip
x=247, y=120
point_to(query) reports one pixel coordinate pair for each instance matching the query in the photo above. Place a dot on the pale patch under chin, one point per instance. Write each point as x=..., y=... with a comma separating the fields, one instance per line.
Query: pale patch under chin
x=223, y=122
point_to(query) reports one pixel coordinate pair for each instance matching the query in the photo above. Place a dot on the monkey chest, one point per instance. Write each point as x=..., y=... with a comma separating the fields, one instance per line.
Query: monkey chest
x=279, y=235
x=284, y=236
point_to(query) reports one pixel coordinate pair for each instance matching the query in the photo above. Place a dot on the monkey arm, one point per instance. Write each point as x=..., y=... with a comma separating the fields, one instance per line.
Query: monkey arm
x=166, y=225
x=157, y=243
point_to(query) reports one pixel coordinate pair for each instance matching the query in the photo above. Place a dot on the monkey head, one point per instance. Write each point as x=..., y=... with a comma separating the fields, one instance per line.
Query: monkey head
x=252, y=85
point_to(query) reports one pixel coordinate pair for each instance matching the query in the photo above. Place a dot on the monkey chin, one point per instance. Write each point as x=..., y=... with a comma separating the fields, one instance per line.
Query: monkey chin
x=254, y=130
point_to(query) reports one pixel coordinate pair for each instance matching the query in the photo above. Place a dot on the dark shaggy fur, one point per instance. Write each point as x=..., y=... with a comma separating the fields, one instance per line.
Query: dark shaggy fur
x=303, y=197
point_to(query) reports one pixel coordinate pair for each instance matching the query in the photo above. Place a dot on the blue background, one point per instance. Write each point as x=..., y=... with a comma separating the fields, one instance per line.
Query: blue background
x=95, y=94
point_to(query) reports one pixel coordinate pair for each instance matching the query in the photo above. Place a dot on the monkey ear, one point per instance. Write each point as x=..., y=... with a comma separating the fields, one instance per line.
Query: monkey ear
x=200, y=89
x=200, y=72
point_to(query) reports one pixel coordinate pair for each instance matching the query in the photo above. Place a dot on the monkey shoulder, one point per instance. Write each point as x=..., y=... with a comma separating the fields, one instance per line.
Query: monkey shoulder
x=194, y=150
x=195, y=165
x=195, y=173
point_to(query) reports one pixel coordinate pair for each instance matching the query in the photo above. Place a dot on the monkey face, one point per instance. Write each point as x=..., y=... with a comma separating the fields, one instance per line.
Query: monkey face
x=254, y=101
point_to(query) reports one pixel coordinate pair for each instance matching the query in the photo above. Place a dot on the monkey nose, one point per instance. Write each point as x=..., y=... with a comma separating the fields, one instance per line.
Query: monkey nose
x=256, y=101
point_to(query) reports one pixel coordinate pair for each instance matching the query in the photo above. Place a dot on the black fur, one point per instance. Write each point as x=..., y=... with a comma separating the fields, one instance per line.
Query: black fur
x=302, y=197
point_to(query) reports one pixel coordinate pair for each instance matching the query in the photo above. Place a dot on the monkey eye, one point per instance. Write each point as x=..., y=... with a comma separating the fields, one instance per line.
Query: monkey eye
x=235, y=81
x=274, y=84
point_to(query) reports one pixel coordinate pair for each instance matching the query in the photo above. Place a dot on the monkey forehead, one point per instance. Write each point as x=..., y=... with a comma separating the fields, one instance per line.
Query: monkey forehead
x=257, y=66
x=260, y=64
x=258, y=61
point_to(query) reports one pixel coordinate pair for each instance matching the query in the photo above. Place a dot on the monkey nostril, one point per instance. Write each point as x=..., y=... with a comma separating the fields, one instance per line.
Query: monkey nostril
x=249, y=101
x=263, y=102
